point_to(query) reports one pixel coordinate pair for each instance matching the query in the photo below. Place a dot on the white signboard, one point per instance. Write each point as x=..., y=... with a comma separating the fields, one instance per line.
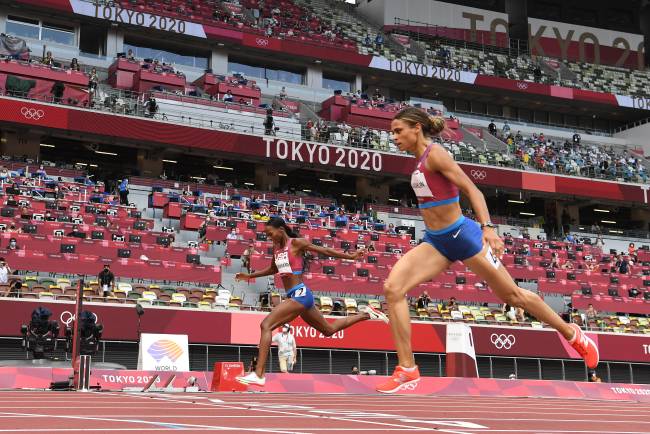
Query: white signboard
x=160, y=352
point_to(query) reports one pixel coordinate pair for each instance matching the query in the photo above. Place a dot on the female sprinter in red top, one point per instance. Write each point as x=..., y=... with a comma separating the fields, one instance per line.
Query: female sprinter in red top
x=437, y=181
x=288, y=251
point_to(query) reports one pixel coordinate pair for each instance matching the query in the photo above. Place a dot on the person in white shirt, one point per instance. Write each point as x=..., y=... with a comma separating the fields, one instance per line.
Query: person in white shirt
x=286, y=348
x=5, y=271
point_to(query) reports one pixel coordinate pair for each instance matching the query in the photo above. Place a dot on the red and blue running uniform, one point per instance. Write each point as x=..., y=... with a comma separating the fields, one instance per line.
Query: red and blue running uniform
x=289, y=264
x=463, y=238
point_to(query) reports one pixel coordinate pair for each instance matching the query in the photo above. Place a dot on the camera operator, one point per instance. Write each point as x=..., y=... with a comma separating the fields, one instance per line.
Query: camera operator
x=269, y=123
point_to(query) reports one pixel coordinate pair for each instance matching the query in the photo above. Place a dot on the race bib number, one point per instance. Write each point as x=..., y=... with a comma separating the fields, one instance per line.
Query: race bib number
x=492, y=259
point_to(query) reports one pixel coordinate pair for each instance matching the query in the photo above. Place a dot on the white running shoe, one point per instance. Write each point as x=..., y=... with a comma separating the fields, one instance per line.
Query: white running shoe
x=376, y=313
x=251, y=379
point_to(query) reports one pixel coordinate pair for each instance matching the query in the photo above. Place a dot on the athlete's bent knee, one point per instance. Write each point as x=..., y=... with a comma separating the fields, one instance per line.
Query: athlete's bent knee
x=392, y=291
x=266, y=325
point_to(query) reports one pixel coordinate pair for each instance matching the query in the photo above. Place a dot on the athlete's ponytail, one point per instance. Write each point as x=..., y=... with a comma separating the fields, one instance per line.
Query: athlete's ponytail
x=432, y=126
x=277, y=222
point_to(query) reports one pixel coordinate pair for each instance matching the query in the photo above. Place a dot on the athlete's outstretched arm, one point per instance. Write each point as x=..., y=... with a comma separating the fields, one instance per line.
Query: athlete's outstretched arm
x=269, y=271
x=305, y=245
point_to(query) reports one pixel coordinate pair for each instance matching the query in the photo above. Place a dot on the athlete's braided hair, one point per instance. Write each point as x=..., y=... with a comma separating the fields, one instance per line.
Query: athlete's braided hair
x=431, y=125
x=278, y=223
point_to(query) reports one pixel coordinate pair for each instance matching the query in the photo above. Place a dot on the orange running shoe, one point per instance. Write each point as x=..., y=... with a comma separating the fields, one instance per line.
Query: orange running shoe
x=399, y=380
x=585, y=346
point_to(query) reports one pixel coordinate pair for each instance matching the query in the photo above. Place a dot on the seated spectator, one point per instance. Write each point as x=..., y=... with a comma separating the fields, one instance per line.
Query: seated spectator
x=624, y=265
x=76, y=232
x=525, y=250
x=130, y=55
x=11, y=201
x=48, y=59
x=25, y=213
x=391, y=229
x=40, y=173
x=13, y=230
x=13, y=244
x=631, y=250
x=49, y=217
x=228, y=96
x=451, y=304
x=74, y=65
x=568, y=265
x=423, y=300
x=593, y=378
x=4, y=174
x=233, y=235
x=283, y=93
x=591, y=312
x=93, y=80
x=371, y=246
x=555, y=261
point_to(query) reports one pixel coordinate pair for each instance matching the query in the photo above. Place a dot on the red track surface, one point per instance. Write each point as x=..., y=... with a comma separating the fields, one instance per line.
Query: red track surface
x=47, y=412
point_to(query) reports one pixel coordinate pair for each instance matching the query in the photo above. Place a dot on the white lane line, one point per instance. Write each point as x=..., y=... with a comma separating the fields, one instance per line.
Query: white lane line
x=282, y=412
x=156, y=424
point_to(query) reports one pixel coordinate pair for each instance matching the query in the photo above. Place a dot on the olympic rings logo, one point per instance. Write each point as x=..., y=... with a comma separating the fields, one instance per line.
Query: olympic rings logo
x=502, y=341
x=68, y=317
x=478, y=174
x=32, y=113
x=522, y=85
x=262, y=42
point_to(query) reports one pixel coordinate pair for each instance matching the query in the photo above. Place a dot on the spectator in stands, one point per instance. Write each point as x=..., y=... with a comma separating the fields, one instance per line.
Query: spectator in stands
x=76, y=232
x=506, y=129
x=341, y=220
x=423, y=300
x=391, y=229
x=74, y=65
x=568, y=265
x=492, y=128
x=40, y=173
x=593, y=378
x=150, y=107
x=371, y=247
x=246, y=257
x=25, y=213
x=130, y=55
x=228, y=96
x=287, y=351
x=570, y=238
x=576, y=138
x=451, y=304
x=106, y=280
x=14, y=289
x=379, y=42
x=513, y=313
x=13, y=230
x=555, y=261
x=233, y=235
x=537, y=74
x=624, y=264
x=93, y=80
x=13, y=244
x=355, y=370
x=4, y=174
x=591, y=312
x=283, y=93
x=631, y=250
x=367, y=42
x=5, y=271
x=525, y=250
x=253, y=364
x=48, y=59
x=124, y=191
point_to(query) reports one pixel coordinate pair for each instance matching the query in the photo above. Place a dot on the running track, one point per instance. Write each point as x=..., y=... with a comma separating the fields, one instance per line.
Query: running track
x=107, y=412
